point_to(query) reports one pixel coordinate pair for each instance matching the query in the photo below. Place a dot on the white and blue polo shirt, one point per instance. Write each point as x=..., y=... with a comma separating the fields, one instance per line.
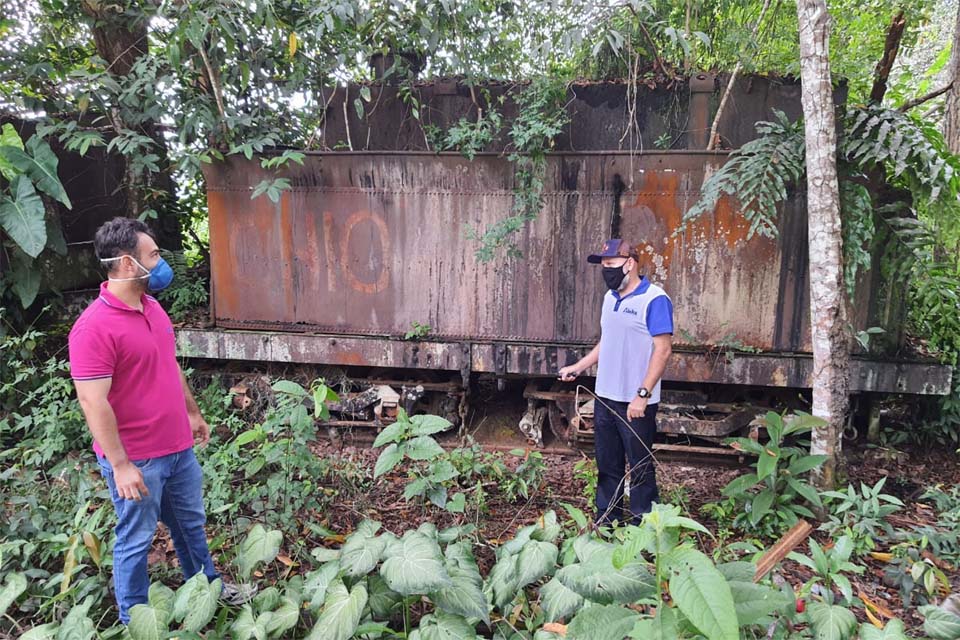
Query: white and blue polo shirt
x=627, y=327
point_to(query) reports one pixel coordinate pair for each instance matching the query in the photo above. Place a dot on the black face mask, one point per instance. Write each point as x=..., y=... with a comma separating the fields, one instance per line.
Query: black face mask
x=614, y=277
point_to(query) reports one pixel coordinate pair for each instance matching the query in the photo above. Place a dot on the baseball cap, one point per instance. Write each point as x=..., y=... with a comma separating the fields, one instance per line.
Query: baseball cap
x=613, y=248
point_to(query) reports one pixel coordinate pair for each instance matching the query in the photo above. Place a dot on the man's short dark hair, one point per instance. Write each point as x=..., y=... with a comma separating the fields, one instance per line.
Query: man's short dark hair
x=118, y=237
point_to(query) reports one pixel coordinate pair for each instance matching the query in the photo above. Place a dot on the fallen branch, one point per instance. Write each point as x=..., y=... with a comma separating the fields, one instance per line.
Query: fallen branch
x=779, y=551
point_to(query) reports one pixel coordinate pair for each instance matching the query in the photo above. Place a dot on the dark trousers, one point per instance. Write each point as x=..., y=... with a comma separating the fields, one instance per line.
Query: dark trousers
x=619, y=447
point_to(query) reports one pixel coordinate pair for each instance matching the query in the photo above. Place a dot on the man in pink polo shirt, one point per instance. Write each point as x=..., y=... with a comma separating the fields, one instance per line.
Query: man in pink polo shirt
x=141, y=413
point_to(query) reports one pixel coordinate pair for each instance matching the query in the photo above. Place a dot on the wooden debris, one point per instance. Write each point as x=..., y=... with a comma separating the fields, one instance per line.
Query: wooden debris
x=779, y=551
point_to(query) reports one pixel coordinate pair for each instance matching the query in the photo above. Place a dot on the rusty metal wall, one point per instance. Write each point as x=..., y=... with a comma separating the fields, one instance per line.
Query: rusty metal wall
x=370, y=243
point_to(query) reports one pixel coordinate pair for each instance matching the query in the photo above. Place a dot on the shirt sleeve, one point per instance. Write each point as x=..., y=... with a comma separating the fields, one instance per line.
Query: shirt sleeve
x=660, y=316
x=92, y=354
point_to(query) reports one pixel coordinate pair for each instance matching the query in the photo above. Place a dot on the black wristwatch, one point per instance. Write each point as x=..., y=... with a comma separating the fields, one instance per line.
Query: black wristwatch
x=643, y=392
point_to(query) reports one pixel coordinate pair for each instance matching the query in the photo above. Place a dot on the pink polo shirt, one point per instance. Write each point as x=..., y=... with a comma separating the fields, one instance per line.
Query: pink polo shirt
x=137, y=350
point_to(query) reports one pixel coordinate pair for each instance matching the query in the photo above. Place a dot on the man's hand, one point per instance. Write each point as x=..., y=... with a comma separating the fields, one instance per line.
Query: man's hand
x=569, y=373
x=637, y=407
x=200, y=429
x=129, y=481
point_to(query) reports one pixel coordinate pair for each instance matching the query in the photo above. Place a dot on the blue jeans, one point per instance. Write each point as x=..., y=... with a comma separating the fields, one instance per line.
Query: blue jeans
x=616, y=443
x=176, y=499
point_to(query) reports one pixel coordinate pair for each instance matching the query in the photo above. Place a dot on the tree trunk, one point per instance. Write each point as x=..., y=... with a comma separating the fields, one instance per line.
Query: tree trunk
x=827, y=305
x=121, y=40
x=951, y=113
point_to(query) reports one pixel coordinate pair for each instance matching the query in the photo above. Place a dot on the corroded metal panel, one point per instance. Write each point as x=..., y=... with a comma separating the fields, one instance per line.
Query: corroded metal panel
x=370, y=243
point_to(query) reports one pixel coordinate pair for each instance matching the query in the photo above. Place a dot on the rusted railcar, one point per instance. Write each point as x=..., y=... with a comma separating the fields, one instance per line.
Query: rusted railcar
x=365, y=245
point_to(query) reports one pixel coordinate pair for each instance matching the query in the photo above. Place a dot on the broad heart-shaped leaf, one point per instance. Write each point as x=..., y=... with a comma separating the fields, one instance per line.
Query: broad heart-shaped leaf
x=443, y=626
x=244, y=626
x=394, y=432
x=753, y=602
x=147, y=623
x=599, y=581
x=609, y=622
x=361, y=553
x=318, y=581
x=13, y=585
x=536, y=559
x=893, y=630
x=422, y=448
x=202, y=606
x=341, y=613
x=161, y=597
x=558, y=601
x=465, y=595
x=940, y=624
x=425, y=425
x=702, y=594
x=39, y=164
x=382, y=599
x=23, y=217
x=43, y=632
x=387, y=460
x=831, y=622
x=259, y=546
x=417, y=568
x=78, y=625
x=285, y=617
x=9, y=138
x=502, y=583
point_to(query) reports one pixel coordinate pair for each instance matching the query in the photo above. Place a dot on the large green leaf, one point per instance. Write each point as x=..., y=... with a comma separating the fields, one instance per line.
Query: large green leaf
x=259, y=546
x=361, y=553
x=38, y=162
x=9, y=138
x=831, y=622
x=558, y=601
x=161, y=597
x=417, y=568
x=13, y=585
x=202, y=605
x=26, y=278
x=425, y=425
x=893, y=630
x=443, y=626
x=317, y=583
x=663, y=626
x=702, y=594
x=753, y=602
x=78, y=625
x=609, y=622
x=382, y=599
x=394, y=432
x=767, y=463
x=465, y=595
x=422, y=448
x=285, y=617
x=42, y=632
x=387, y=460
x=502, y=582
x=740, y=484
x=341, y=613
x=940, y=624
x=147, y=623
x=599, y=581
x=536, y=559
x=761, y=505
x=23, y=217
x=245, y=627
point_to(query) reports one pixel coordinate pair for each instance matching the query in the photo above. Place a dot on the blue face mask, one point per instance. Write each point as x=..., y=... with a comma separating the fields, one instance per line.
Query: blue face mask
x=158, y=278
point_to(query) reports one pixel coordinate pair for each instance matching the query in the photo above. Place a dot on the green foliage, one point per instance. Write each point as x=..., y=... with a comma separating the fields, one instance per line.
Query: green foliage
x=188, y=291
x=542, y=117
x=28, y=169
x=860, y=514
x=829, y=567
x=418, y=331
x=585, y=472
x=775, y=495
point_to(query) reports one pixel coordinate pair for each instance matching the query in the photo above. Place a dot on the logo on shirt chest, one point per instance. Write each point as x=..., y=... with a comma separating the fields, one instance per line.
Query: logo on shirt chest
x=632, y=312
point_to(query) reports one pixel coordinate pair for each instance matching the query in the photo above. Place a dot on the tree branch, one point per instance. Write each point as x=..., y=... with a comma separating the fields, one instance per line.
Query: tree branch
x=712, y=140
x=890, y=49
x=916, y=102
x=215, y=85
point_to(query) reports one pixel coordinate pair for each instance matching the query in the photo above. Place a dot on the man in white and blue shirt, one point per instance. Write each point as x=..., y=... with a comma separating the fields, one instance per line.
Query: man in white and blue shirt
x=636, y=333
